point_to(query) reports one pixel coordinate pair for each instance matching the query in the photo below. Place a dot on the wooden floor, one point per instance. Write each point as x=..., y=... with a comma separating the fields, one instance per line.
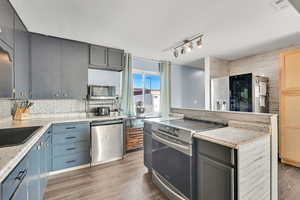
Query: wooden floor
x=289, y=182
x=122, y=180
x=128, y=180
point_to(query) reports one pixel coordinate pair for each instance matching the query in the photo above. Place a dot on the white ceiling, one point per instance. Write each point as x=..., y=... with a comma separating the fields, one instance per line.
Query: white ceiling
x=232, y=28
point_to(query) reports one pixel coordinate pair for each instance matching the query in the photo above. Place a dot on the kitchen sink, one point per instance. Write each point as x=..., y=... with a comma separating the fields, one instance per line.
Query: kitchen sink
x=16, y=136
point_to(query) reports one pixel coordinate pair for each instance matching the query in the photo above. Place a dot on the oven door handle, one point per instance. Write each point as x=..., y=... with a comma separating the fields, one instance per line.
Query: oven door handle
x=182, y=148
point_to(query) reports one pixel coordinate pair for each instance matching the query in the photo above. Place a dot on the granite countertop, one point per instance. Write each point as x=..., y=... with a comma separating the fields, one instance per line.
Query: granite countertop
x=230, y=136
x=11, y=156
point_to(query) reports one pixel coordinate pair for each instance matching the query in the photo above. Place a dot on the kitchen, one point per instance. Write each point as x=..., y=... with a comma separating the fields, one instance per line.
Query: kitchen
x=90, y=109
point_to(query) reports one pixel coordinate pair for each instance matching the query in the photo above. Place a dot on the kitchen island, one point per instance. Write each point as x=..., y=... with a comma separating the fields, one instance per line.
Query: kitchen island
x=238, y=161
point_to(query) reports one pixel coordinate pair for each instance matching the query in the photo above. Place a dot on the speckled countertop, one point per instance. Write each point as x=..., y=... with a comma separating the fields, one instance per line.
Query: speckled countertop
x=11, y=156
x=230, y=136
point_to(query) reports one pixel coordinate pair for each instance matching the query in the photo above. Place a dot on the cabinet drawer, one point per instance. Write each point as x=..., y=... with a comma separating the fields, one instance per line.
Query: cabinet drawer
x=10, y=184
x=71, y=127
x=217, y=152
x=73, y=160
x=70, y=138
x=69, y=149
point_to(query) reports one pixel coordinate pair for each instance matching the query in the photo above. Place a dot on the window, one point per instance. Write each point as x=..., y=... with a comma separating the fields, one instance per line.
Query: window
x=146, y=86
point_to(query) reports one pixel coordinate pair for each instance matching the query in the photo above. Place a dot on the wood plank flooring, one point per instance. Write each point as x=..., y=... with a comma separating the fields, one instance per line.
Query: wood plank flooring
x=289, y=182
x=121, y=180
x=128, y=180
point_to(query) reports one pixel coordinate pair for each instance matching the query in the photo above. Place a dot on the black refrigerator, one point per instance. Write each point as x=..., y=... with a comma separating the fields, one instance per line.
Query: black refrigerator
x=240, y=87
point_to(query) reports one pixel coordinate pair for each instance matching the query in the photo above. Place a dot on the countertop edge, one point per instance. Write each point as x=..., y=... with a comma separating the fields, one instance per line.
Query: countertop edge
x=229, y=144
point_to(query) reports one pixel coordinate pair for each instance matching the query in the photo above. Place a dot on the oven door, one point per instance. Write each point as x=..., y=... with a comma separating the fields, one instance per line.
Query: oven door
x=172, y=161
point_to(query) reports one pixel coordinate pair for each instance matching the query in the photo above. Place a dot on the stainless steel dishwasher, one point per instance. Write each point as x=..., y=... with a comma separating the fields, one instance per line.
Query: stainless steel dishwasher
x=107, y=141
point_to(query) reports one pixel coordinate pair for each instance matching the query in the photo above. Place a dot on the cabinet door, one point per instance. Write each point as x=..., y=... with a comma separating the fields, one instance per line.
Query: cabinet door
x=46, y=70
x=43, y=167
x=147, y=149
x=74, y=67
x=49, y=154
x=290, y=108
x=98, y=56
x=6, y=71
x=215, y=181
x=21, y=193
x=6, y=23
x=34, y=173
x=115, y=58
x=21, y=61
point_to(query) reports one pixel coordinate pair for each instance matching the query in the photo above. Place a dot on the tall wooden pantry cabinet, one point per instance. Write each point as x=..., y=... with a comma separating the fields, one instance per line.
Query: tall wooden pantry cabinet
x=290, y=108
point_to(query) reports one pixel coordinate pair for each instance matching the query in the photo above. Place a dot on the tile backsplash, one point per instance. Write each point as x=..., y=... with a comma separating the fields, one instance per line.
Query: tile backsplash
x=45, y=107
x=57, y=106
x=5, y=109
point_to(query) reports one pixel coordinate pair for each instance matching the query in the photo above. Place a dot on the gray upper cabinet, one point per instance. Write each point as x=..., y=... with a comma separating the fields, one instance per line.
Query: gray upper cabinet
x=21, y=60
x=98, y=56
x=6, y=23
x=6, y=71
x=106, y=58
x=59, y=68
x=74, y=67
x=116, y=59
x=45, y=67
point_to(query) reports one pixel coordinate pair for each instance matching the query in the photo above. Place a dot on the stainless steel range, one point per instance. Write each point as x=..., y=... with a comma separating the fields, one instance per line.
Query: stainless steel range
x=172, y=155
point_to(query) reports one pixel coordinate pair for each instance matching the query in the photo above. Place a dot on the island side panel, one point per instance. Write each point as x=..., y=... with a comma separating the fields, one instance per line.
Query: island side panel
x=274, y=157
x=254, y=170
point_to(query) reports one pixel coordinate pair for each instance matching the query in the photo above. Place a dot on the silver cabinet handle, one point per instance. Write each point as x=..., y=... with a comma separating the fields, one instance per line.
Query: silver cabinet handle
x=70, y=161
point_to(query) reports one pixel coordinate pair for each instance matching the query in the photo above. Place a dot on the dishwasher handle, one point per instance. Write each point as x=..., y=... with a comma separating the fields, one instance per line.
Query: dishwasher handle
x=108, y=122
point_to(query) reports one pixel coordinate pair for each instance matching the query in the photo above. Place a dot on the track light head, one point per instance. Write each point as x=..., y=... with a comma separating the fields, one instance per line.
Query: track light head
x=175, y=53
x=183, y=51
x=199, y=43
x=189, y=47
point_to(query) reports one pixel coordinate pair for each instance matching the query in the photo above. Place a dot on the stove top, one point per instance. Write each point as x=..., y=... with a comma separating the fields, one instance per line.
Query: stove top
x=193, y=125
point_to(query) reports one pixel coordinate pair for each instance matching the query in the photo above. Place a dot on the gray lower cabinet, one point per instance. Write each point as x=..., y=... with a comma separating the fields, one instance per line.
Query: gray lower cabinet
x=21, y=61
x=74, y=69
x=216, y=172
x=7, y=23
x=71, y=145
x=15, y=184
x=28, y=180
x=45, y=67
x=148, y=145
x=215, y=180
x=34, y=160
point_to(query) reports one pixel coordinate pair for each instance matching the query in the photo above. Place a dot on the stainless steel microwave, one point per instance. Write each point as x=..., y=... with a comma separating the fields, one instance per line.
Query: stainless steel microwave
x=101, y=92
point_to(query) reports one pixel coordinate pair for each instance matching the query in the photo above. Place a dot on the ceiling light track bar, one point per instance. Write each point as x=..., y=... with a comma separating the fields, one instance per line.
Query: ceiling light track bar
x=184, y=42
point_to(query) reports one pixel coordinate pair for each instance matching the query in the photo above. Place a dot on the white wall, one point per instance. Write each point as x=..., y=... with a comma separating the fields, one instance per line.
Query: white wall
x=101, y=77
x=144, y=64
x=187, y=87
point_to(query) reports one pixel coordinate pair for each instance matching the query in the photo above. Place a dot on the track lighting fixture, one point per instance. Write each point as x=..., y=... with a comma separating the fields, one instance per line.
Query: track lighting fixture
x=186, y=45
